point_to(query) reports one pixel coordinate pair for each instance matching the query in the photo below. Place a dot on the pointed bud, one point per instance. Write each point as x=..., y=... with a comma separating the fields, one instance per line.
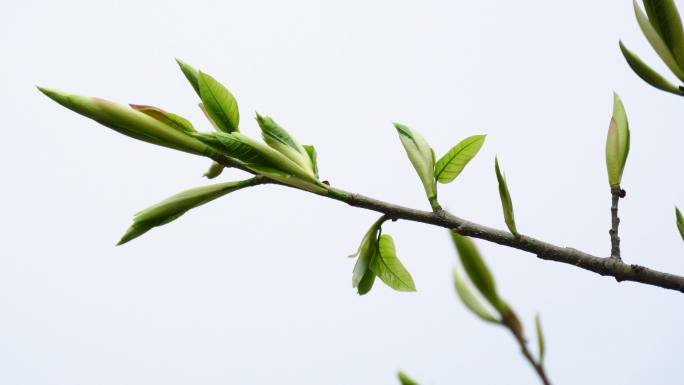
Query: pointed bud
x=617, y=143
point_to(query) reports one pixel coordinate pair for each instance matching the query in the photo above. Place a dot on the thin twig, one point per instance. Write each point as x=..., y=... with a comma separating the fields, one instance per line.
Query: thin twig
x=538, y=366
x=616, y=193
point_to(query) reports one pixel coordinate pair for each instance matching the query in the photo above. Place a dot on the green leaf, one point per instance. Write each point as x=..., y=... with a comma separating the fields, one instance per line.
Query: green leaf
x=170, y=119
x=680, y=222
x=366, y=283
x=665, y=19
x=477, y=270
x=388, y=268
x=617, y=143
x=365, y=253
x=647, y=74
x=190, y=73
x=173, y=207
x=470, y=301
x=281, y=140
x=455, y=160
x=219, y=103
x=506, y=202
x=130, y=122
x=421, y=156
x=405, y=380
x=214, y=170
x=657, y=42
x=313, y=156
x=541, y=346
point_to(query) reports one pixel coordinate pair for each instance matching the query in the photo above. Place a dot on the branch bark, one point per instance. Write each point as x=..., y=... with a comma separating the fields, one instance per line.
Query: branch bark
x=605, y=266
x=616, y=193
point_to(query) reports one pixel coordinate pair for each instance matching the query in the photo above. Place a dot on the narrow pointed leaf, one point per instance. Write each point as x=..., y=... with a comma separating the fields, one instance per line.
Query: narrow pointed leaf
x=506, y=202
x=173, y=207
x=130, y=122
x=665, y=19
x=190, y=73
x=470, y=301
x=657, y=42
x=313, y=156
x=279, y=139
x=421, y=156
x=388, y=268
x=680, y=222
x=170, y=119
x=646, y=73
x=214, y=170
x=620, y=117
x=219, y=103
x=405, y=379
x=477, y=270
x=541, y=345
x=454, y=161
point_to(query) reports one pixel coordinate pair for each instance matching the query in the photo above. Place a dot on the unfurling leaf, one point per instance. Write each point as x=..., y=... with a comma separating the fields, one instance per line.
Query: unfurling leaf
x=541, y=345
x=617, y=143
x=680, y=222
x=422, y=157
x=664, y=17
x=366, y=283
x=506, y=201
x=130, y=122
x=214, y=170
x=313, y=156
x=219, y=103
x=405, y=380
x=177, y=205
x=388, y=268
x=648, y=74
x=170, y=119
x=657, y=42
x=454, y=161
x=477, y=270
x=190, y=73
x=470, y=301
x=281, y=140
x=362, y=276
x=262, y=159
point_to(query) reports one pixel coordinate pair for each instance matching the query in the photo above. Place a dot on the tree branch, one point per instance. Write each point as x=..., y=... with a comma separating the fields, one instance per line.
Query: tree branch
x=616, y=193
x=605, y=266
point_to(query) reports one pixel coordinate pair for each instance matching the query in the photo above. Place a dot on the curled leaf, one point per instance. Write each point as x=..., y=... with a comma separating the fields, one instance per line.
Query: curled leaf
x=170, y=119
x=470, y=301
x=365, y=253
x=477, y=270
x=680, y=222
x=279, y=139
x=617, y=143
x=389, y=268
x=214, y=170
x=647, y=74
x=506, y=201
x=313, y=156
x=173, y=207
x=657, y=42
x=219, y=103
x=665, y=19
x=421, y=156
x=450, y=165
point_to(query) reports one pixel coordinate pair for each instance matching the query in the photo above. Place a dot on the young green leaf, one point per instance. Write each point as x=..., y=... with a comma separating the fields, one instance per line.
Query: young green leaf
x=477, y=270
x=405, y=379
x=281, y=140
x=421, y=156
x=214, y=170
x=190, y=73
x=617, y=143
x=541, y=346
x=130, y=122
x=647, y=74
x=313, y=156
x=454, y=161
x=173, y=207
x=506, y=201
x=365, y=253
x=170, y=119
x=388, y=268
x=366, y=283
x=657, y=42
x=680, y=222
x=665, y=19
x=219, y=103
x=470, y=301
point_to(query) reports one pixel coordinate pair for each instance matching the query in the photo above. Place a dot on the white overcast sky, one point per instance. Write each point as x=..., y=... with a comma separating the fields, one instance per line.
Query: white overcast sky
x=255, y=288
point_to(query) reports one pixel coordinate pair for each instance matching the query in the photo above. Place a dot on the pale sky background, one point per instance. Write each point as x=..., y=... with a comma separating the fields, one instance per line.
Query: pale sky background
x=255, y=288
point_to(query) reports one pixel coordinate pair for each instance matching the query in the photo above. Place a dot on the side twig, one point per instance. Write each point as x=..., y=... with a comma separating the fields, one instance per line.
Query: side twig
x=616, y=193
